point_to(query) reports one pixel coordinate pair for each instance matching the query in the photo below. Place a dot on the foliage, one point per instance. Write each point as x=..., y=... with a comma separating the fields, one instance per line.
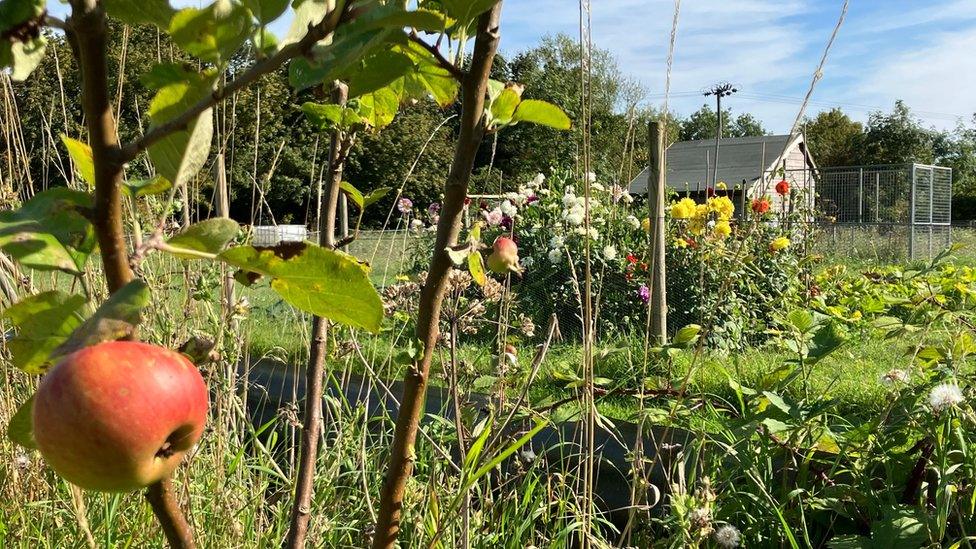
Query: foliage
x=833, y=138
x=703, y=124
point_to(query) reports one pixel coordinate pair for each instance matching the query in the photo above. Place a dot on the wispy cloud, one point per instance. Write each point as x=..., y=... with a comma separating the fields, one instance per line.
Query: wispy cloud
x=888, y=49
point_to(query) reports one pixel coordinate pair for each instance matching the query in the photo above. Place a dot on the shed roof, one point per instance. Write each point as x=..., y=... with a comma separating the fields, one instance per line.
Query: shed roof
x=689, y=162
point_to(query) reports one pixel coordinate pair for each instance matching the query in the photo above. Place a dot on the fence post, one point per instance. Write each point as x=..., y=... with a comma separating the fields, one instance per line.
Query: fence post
x=911, y=217
x=344, y=218
x=223, y=210
x=656, y=195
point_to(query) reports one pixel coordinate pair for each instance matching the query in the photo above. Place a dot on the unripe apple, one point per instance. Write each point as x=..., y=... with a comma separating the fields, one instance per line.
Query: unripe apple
x=504, y=256
x=119, y=416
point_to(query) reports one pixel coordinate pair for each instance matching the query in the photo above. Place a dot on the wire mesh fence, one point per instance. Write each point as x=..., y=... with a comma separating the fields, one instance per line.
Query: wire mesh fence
x=887, y=213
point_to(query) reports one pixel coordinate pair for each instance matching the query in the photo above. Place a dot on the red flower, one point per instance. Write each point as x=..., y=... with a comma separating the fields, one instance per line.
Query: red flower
x=631, y=259
x=782, y=188
x=760, y=205
x=709, y=192
x=467, y=201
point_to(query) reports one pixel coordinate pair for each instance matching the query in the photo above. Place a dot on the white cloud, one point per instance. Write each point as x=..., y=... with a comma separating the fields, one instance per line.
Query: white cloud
x=887, y=50
x=935, y=80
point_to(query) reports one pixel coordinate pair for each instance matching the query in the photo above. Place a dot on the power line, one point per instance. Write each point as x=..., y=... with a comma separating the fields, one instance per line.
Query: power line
x=787, y=99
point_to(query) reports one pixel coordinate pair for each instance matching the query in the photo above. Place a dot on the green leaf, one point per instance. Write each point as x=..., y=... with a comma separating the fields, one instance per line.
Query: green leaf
x=849, y=542
x=353, y=194
x=508, y=451
x=324, y=282
x=778, y=401
x=686, y=335
x=25, y=57
x=503, y=107
x=208, y=236
x=81, y=156
x=826, y=340
x=428, y=77
x=17, y=18
x=140, y=12
x=375, y=196
x=180, y=155
x=266, y=11
x=902, y=526
x=164, y=74
x=423, y=20
x=44, y=321
x=14, y=13
x=328, y=117
x=465, y=11
x=458, y=253
x=20, y=430
x=265, y=41
x=476, y=267
x=483, y=430
x=49, y=232
x=146, y=187
x=116, y=318
x=542, y=113
x=351, y=43
x=377, y=71
x=307, y=13
x=380, y=107
x=212, y=33
x=801, y=319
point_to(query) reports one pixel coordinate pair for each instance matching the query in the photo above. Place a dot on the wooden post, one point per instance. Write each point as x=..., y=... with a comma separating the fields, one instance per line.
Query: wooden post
x=344, y=218
x=743, y=210
x=223, y=210
x=656, y=196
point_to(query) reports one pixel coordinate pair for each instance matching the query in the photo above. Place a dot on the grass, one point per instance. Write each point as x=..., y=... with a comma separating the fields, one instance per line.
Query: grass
x=236, y=489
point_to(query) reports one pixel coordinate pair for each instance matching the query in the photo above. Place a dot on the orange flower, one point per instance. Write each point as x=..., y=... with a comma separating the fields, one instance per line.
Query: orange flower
x=760, y=205
x=782, y=188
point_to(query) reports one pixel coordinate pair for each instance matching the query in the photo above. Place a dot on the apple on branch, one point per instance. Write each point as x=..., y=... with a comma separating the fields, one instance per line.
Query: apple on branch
x=120, y=415
x=504, y=256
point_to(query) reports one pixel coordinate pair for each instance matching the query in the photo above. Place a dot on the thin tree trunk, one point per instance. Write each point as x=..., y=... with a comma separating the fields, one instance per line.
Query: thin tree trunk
x=312, y=428
x=473, y=89
x=87, y=29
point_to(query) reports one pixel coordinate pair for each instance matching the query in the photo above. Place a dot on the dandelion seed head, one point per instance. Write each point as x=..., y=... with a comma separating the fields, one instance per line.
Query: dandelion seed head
x=944, y=396
x=727, y=536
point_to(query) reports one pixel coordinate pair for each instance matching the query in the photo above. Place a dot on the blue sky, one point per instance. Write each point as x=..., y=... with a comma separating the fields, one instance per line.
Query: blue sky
x=921, y=51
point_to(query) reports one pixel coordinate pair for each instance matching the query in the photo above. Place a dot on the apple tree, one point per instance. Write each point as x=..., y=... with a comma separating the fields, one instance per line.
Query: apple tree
x=372, y=55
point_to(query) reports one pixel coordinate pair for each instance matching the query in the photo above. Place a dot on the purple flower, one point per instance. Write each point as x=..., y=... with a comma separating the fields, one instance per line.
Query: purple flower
x=405, y=205
x=506, y=223
x=531, y=199
x=644, y=293
x=433, y=208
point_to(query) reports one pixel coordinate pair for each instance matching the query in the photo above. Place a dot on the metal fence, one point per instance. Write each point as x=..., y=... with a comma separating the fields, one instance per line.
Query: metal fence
x=889, y=213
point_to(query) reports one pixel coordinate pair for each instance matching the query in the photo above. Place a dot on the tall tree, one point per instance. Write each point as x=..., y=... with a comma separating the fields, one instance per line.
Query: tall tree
x=896, y=138
x=834, y=138
x=551, y=71
x=703, y=123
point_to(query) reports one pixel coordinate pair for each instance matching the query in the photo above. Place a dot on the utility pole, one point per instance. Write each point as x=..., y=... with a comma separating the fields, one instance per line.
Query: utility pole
x=719, y=91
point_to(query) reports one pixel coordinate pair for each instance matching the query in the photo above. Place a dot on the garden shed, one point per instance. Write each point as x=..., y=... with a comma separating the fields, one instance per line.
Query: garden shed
x=752, y=163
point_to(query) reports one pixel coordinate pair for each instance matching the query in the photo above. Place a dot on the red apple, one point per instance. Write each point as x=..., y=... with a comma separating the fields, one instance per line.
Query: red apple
x=504, y=256
x=119, y=416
